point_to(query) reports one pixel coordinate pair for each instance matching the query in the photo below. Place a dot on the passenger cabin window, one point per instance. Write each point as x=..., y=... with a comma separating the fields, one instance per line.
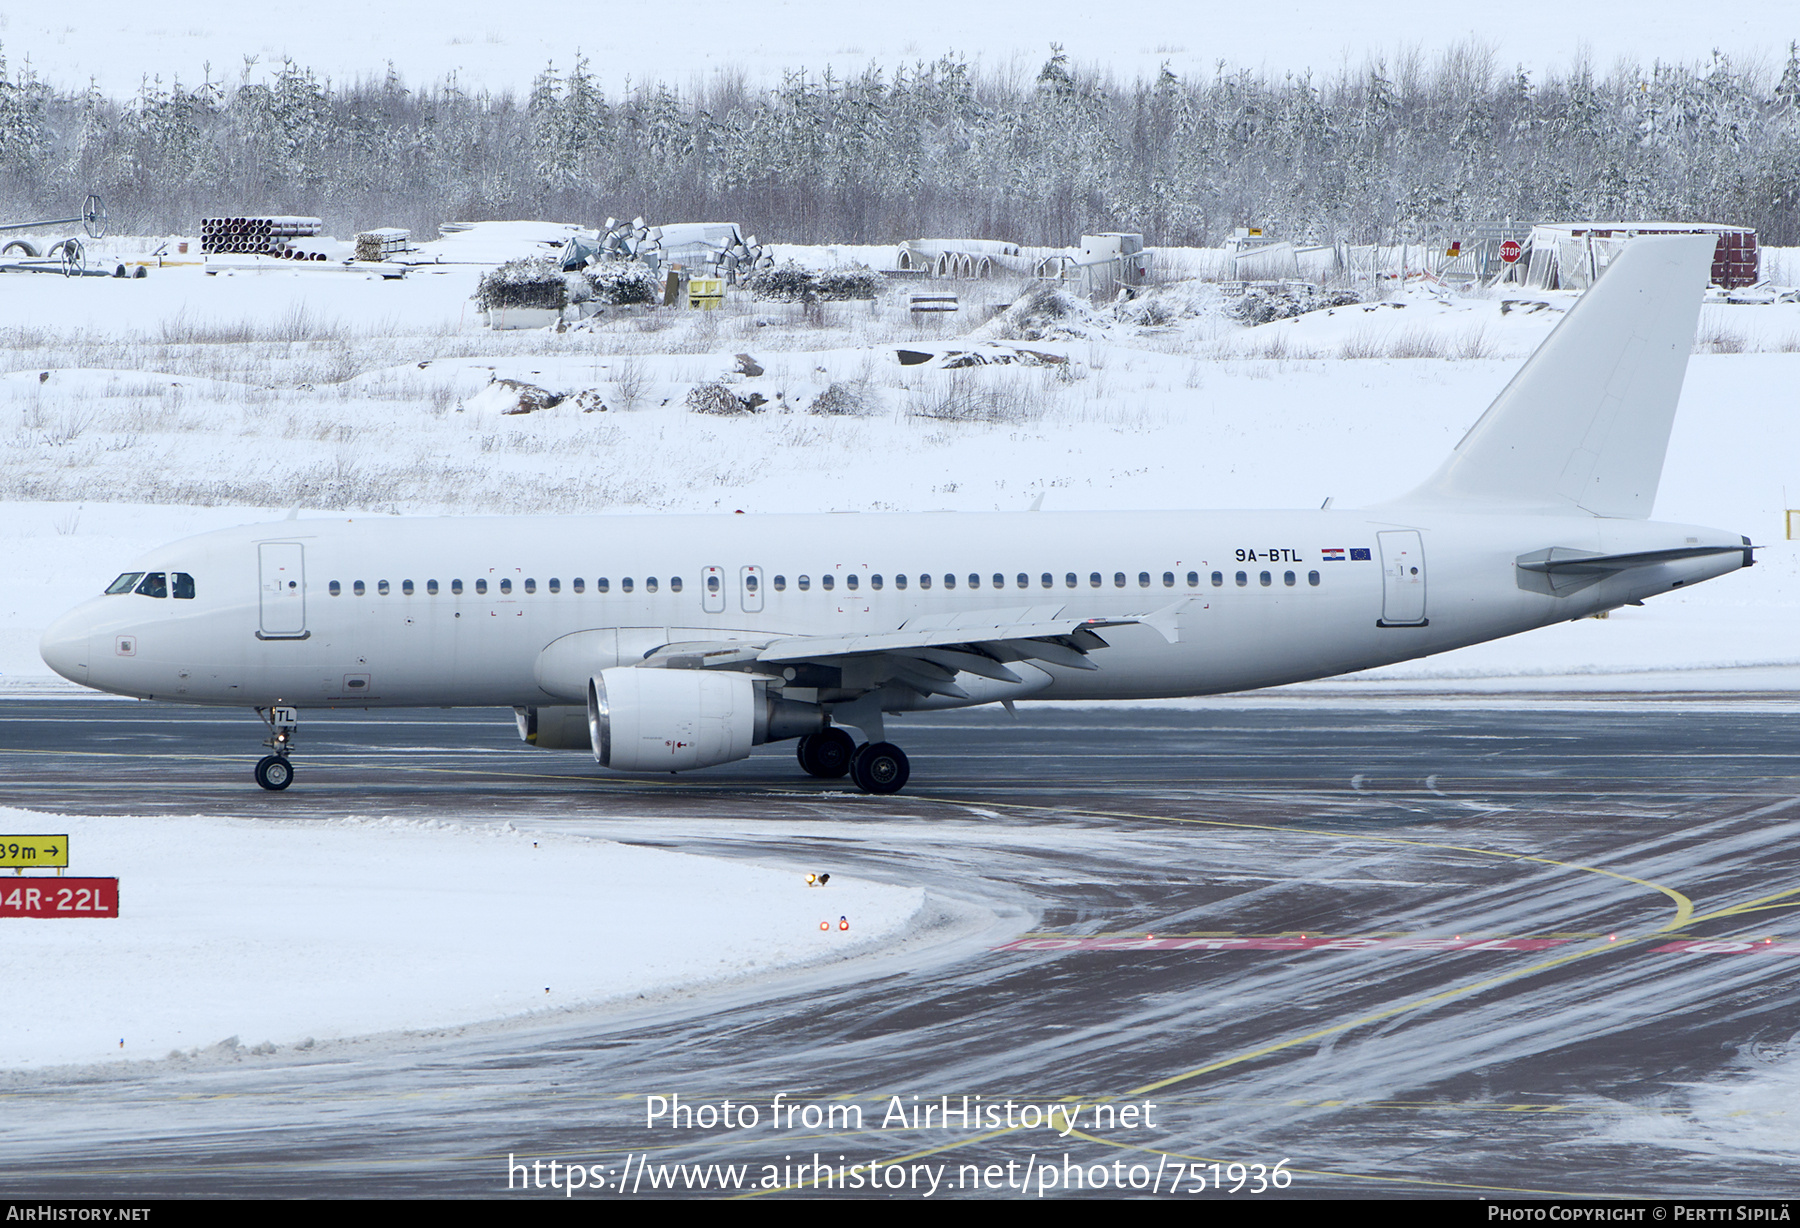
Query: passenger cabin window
x=335, y=589
x=826, y=581
x=1218, y=579
x=805, y=582
x=1266, y=579
x=1287, y=578
x=505, y=586
x=750, y=583
x=1169, y=579
x=1312, y=578
x=781, y=584
x=530, y=585
x=555, y=585
x=949, y=580
x=359, y=588
x=1118, y=579
x=674, y=584
x=456, y=588
x=875, y=581
x=406, y=586
x=1069, y=579
x=625, y=585
x=155, y=584
x=431, y=587
x=900, y=580
x=183, y=586
x=1193, y=579
x=480, y=586
x=579, y=585
x=1048, y=580
x=1093, y=579
x=602, y=584
x=850, y=581
x=1243, y=578
x=974, y=580
x=650, y=585
x=125, y=583
x=924, y=580
x=381, y=587
x=1143, y=579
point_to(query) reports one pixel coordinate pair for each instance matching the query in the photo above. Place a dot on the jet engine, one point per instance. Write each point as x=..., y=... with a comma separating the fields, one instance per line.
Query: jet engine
x=669, y=720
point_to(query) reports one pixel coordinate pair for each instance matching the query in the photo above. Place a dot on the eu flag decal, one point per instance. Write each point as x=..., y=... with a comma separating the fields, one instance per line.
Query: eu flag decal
x=1359, y=554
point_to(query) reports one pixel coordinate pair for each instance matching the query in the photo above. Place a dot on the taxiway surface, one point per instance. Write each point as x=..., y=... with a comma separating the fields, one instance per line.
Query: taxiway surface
x=1435, y=949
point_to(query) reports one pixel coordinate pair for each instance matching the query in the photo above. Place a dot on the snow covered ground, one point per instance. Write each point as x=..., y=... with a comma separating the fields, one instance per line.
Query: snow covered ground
x=363, y=926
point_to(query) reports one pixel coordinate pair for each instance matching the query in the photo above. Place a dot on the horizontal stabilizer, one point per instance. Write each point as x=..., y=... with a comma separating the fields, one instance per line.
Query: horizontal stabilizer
x=1581, y=562
x=1562, y=571
x=1585, y=423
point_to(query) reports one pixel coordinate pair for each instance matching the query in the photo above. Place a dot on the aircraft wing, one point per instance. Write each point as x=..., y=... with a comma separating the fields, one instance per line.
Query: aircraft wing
x=928, y=652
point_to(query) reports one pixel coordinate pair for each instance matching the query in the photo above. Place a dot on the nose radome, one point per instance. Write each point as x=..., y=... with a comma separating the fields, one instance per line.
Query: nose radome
x=65, y=647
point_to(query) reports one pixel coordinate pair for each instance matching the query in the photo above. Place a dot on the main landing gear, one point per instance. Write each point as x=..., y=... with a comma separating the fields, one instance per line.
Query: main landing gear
x=274, y=772
x=876, y=767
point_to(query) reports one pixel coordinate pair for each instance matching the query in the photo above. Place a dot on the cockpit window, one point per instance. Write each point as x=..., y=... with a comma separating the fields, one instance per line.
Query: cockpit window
x=125, y=583
x=184, y=586
x=155, y=584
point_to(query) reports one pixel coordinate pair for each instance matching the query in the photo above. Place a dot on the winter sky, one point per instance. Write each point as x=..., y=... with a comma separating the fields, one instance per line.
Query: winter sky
x=501, y=46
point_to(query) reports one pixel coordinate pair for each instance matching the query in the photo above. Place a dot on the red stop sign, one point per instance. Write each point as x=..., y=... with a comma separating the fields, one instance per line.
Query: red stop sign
x=1510, y=251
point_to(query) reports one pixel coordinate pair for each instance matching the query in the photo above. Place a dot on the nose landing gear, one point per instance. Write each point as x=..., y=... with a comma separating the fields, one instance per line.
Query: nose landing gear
x=275, y=772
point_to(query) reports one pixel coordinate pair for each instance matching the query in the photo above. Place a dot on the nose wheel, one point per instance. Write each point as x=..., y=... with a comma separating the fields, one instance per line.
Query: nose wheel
x=274, y=772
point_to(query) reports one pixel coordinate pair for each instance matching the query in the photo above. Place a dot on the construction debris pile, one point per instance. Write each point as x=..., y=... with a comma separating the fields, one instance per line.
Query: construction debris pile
x=260, y=236
x=711, y=249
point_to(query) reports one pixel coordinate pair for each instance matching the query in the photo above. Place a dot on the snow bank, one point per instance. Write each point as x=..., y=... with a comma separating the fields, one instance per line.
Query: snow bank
x=257, y=932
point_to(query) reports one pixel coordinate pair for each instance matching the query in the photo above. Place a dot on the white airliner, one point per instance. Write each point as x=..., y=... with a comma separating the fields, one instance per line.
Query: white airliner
x=674, y=642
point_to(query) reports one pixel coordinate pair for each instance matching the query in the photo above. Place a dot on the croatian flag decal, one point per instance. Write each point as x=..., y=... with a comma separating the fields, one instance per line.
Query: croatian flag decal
x=1359, y=554
x=1332, y=554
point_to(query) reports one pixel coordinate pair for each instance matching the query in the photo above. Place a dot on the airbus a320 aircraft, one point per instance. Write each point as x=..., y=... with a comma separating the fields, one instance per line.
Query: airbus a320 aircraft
x=674, y=642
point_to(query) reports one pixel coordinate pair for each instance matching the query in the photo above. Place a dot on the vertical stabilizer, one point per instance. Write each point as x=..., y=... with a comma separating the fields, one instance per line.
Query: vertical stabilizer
x=1585, y=423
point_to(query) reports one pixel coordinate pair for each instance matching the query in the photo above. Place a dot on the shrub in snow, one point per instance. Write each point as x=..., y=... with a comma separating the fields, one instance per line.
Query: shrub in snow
x=716, y=398
x=618, y=282
x=1260, y=305
x=785, y=283
x=1045, y=313
x=1164, y=305
x=849, y=281
x=531, y=281
x=843, y=397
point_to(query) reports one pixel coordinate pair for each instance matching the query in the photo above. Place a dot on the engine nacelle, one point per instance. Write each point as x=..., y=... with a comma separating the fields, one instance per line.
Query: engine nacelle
x=669, y=720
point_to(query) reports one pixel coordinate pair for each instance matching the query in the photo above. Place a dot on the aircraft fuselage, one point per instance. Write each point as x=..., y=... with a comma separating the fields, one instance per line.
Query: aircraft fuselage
x=382, y=611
